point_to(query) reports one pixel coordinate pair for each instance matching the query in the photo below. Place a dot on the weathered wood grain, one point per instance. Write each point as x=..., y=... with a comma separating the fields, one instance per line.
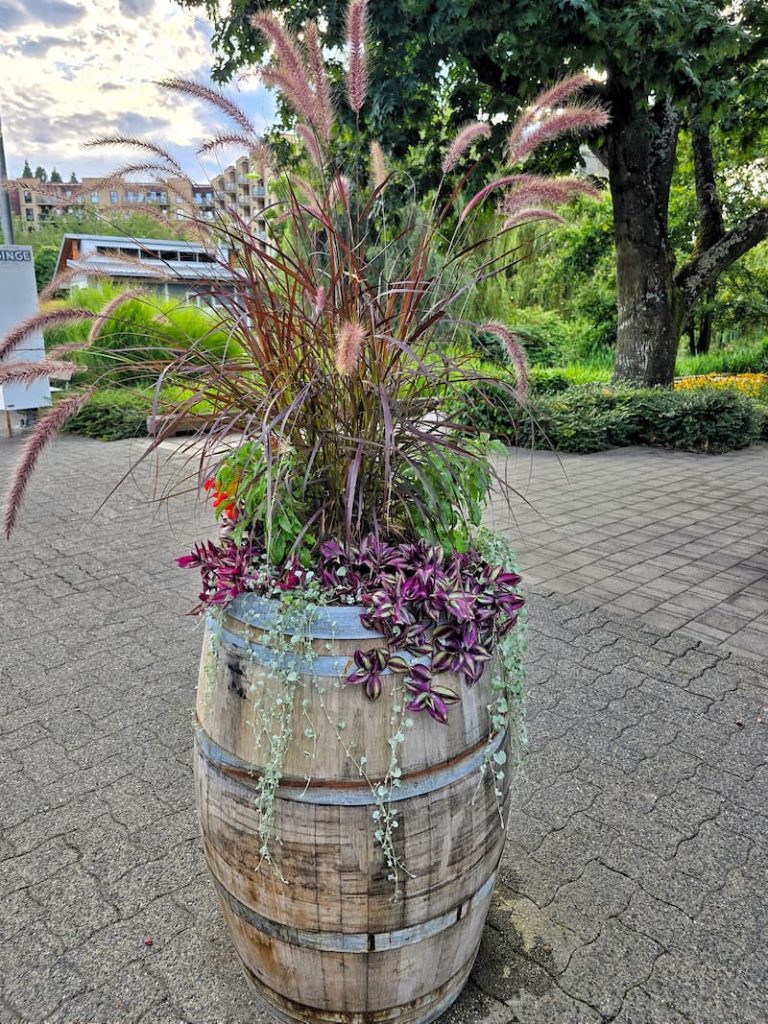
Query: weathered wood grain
x=332, y=944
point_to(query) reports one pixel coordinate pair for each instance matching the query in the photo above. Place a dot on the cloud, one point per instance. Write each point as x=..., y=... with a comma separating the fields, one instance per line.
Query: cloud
x=53, y=13
x=136, y=8
x=40, y=46
x=101, y=78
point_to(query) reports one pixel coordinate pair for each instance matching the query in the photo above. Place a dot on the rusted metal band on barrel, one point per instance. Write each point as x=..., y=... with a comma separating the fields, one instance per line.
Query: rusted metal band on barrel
x=425, y=1009
x=354, y=793
x=354, y=942
x=334, y=622
x=321, y=665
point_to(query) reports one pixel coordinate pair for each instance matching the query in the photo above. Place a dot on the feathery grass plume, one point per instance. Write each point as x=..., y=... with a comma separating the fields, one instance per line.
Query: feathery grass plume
x=290, y=74
x=515, y=351
x=348, y=345
x=309, y=139
x=528, y=214
x=357, y=74
x=114, y=304
x=338, y=190
x=66, y=277
x=545, y=102
x=530, y=189
x=137, y=143
x=464, y=138
x=41, y=322
x=24, y=372
x=321, y=298
x=562, y=90
x=189, y=87
x=64, y=350
x=45, y=431
x=379, y=170
x=574, y=118
x=255, y=149
x=319, y=75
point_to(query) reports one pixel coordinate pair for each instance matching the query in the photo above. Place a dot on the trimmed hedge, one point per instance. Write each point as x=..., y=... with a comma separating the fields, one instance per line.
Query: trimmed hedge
x=113, y=414
x=594, y=417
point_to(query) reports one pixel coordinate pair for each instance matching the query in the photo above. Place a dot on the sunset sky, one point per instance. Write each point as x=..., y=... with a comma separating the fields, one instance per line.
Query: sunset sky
x=73, y=69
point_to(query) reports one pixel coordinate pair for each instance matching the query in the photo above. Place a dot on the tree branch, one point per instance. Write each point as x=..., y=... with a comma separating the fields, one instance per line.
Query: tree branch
x=704, y=269
x=711, y=228
x=662, y=154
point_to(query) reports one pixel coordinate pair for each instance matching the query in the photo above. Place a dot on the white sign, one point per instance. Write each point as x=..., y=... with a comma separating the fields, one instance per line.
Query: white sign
x=18, y=300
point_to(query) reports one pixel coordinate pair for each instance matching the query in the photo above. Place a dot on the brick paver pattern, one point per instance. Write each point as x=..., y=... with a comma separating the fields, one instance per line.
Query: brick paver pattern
x=632, y=885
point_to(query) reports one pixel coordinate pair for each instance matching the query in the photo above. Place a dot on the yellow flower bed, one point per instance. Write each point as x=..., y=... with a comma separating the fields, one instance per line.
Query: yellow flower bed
x=755, y=385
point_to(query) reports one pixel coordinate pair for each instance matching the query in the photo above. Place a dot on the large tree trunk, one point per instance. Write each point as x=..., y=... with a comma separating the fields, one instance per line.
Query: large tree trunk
x=640, y=153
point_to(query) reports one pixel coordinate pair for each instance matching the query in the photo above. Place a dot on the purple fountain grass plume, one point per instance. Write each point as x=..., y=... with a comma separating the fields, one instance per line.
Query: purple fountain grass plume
x=65, y=277
x=528, y=214
x=574, y=118
x=41, y=322
x=114, y=304
x=464, y=138
x=136, y=143
x=561, y=90
x=515, y=351
x=349, y=343
x=530, y=189
x=338, y=190
x=357, y=75
x=24, y=372
x=189, y=87
x=378, y=165
x=320, y=301
x=309, y=139
x=319, y=75
x=43, y=434
x=64, y=350
x=256, y=148
x=290, y=75
x=545, y=102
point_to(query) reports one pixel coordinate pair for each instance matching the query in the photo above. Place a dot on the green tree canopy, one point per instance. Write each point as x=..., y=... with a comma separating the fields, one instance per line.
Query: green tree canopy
x=656, y=61
x=27, y=171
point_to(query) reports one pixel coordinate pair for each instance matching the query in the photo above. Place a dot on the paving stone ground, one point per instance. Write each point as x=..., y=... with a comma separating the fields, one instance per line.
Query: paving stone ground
x=632, y=886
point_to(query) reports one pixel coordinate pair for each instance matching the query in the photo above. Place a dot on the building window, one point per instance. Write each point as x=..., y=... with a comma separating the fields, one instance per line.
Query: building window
x=94, y=197
x=68, y=193
x=27, y=197
x=30, y=214
x=113, y=197
x=179, y=200
x=179, y=214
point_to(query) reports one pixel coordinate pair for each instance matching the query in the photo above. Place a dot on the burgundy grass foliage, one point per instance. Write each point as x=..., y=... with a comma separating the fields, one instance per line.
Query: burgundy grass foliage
x=43, y=434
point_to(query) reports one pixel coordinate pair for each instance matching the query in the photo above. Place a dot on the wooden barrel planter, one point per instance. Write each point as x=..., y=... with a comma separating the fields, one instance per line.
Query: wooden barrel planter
x=330, y=944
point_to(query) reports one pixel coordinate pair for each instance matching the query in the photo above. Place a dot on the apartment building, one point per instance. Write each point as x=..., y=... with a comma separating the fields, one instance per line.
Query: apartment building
x=175, y=198
x=243, y=186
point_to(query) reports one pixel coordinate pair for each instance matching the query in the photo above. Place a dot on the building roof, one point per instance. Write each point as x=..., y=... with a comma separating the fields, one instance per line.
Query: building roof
x=163, y=269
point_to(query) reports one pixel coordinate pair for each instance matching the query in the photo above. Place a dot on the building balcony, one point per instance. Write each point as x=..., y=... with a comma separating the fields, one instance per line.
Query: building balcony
x=259, y=191
x=230, y=186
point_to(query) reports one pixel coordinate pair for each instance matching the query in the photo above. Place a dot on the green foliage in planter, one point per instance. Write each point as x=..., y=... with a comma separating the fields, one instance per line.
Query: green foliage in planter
x=113, y=414
x=593, y=417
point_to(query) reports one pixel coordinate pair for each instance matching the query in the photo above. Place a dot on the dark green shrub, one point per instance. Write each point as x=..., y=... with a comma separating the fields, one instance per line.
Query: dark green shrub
x=113, y=414
x=593, y=417
x=544, y=380
x=701, y=419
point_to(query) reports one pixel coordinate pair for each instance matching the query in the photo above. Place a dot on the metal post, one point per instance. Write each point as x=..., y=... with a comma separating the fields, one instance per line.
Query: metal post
x=6, y=223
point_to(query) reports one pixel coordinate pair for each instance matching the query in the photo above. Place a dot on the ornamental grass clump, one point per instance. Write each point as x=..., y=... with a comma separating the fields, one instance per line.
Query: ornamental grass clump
x=331, y=447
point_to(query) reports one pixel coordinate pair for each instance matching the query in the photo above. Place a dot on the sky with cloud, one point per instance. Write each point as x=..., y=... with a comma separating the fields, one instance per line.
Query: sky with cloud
x=76, y=69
